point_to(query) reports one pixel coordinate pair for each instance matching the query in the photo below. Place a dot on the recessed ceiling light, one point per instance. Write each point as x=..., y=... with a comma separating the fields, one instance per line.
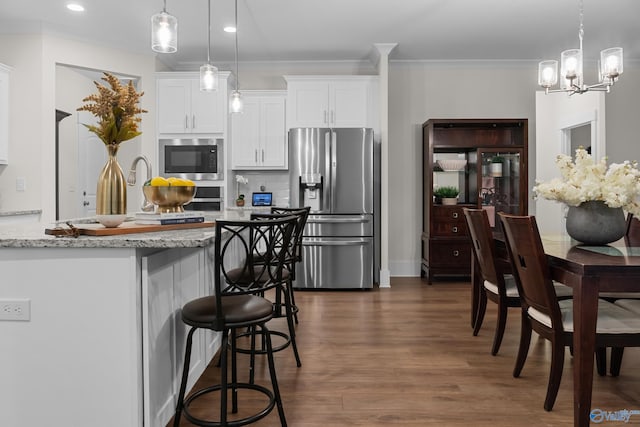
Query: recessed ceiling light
x=75, y=7
x=230, y=29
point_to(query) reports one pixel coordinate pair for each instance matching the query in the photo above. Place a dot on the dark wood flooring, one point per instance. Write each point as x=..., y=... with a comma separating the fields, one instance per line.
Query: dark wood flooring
x=406, y=356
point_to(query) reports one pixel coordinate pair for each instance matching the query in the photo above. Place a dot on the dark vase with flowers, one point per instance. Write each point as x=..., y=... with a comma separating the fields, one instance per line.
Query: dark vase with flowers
x=595, y=223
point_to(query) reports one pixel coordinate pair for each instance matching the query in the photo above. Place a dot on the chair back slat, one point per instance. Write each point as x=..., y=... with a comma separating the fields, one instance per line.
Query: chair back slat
x=483, y=245
x=530, y=266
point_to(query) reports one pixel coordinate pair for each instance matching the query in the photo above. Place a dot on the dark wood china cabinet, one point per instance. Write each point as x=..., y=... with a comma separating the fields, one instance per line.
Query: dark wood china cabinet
x=486, y=160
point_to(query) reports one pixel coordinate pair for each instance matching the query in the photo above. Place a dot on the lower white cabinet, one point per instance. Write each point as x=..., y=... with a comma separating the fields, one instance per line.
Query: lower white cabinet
x=171, y=278
x=258, y=135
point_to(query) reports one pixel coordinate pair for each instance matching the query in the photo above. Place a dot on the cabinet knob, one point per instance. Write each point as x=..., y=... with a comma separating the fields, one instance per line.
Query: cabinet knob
x=456, y=253
x=455, y=215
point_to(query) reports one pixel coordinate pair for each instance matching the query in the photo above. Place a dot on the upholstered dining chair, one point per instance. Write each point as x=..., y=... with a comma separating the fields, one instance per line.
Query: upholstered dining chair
x=498, y=285
x=549, y=317
x=260, y=248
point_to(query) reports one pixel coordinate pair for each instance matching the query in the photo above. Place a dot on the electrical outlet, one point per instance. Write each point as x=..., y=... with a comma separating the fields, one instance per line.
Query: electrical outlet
x=15, y=309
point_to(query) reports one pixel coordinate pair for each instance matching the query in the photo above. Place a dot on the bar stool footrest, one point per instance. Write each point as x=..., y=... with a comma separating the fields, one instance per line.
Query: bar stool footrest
x=280, y=347
x=231, y=423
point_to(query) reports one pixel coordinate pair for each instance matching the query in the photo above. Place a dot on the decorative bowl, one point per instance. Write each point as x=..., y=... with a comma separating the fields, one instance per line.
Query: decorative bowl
x=110, y=221
x=452, y=164
x=170, y=198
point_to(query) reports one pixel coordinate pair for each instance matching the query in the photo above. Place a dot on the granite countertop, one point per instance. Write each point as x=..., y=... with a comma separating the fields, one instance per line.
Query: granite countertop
x=17, y=213
x=33, y=236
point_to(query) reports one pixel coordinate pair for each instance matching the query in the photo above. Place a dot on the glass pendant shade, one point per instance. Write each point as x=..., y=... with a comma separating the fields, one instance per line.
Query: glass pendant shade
x=571, y=68
x=208, y=78
x=235, y=102
x=548, y=73
x=611, y=63
x=164, y=33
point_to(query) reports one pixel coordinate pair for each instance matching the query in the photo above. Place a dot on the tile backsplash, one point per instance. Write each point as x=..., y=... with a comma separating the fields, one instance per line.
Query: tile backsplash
x=276, y=182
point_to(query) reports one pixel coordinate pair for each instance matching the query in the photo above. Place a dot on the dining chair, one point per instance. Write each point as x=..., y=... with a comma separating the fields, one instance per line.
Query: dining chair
x=549, y=317
x=498, y=285
x=260, y=249
x=631, y=239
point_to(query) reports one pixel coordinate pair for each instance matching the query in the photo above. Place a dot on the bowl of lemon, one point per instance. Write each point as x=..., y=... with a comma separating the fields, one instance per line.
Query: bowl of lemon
x=169, y=194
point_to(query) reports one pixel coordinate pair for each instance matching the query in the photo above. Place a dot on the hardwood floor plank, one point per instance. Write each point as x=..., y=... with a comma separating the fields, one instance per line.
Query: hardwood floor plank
x=406, y=356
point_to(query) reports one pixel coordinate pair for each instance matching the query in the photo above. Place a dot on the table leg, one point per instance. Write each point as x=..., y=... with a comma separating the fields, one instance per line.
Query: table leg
x=585, y=313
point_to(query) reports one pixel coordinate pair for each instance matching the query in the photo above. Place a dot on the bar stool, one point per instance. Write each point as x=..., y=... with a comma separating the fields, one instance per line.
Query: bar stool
x=255, y=244
x=283, y=289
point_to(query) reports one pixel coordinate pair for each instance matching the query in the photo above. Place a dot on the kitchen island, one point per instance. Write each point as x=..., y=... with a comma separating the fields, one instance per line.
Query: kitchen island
x=103, y=343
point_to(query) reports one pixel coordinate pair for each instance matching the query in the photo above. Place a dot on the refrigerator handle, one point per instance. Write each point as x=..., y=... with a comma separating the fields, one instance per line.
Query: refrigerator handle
x=333, y=168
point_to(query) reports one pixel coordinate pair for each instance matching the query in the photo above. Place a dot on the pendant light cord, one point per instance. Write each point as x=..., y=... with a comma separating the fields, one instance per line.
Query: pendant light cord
x=581, y=31
x=236, y=18
x=209, y=33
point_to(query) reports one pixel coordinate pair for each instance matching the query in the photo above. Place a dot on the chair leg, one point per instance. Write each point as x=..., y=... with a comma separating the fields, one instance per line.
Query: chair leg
x=500, y=325
x=272, y=373
x=252, y=355
x=601, y=361
x=525, y=341
x=292, y=331
x=293, y=300
x=234, y=373
x=616, y=360
x=223, y=379
x=482, y=308
x=185, y=376
x=557, y=364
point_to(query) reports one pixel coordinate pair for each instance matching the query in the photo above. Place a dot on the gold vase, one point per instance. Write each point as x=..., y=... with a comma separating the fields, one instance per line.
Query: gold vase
x=111, y=194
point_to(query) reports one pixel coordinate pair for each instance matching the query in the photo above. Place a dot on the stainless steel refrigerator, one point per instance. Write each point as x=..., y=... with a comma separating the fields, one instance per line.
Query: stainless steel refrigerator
x=332, y=171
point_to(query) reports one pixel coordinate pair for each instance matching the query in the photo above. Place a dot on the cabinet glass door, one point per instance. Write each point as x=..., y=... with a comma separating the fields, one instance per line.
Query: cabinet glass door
x=500, y=184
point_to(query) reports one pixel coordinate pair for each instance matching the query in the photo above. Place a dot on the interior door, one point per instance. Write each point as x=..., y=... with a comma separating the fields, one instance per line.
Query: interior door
x=92, y=156
x=556, y=116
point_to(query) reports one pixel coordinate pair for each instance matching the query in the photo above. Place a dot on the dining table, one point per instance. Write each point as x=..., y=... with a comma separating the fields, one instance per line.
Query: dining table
x=589, y=270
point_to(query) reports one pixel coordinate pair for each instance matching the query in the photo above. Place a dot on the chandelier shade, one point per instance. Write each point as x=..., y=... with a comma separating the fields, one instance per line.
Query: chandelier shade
x=164, y=32
x=610, y=67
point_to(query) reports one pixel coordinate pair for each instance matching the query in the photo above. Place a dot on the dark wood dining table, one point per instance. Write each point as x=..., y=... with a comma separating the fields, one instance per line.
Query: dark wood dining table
x=589, y=270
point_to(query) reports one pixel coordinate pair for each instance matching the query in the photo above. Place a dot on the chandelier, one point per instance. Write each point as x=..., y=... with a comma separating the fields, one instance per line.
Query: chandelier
x=235, y=101
x=571, y=77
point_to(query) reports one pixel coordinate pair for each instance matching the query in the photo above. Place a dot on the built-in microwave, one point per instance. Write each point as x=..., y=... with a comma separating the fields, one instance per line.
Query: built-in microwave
x=192, y=158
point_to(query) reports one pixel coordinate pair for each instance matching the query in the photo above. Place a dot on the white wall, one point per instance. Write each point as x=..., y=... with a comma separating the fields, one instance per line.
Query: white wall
x=32, y=111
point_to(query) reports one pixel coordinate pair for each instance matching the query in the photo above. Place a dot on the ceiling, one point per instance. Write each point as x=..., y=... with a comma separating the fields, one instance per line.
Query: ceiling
x=343, y=30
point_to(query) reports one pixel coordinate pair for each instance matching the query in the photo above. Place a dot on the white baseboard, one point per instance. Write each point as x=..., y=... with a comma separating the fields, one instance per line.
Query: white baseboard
x=405, y=268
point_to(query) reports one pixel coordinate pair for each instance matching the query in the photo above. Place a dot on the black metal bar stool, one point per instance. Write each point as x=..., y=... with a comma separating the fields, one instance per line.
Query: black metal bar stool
x=261, y=247
x=283, y=289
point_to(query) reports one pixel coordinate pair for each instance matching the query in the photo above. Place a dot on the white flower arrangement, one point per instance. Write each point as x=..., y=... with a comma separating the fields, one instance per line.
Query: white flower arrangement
x=240, y=180
x=618, y=186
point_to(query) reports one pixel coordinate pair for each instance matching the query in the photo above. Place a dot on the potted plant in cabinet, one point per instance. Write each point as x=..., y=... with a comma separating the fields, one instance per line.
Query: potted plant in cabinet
x=446, y=195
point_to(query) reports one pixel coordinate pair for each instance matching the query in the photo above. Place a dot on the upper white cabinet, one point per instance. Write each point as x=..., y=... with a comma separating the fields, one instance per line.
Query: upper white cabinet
x=258, y=135
x=183, y=108
x=331, y=101
x=4, y=114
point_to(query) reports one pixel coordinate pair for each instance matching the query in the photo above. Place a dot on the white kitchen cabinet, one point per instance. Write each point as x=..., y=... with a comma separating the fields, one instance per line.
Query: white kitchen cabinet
x=4, y=114
x=258, y=135
x=183, y=108
x=331, y=101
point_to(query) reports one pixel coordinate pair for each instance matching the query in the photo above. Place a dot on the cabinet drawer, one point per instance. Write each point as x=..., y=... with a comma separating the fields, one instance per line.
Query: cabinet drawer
x=449, y=252
x=448, y=221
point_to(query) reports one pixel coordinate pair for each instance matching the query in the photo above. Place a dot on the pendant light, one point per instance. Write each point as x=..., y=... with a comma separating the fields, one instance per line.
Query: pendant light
x=208, y=73
x=235, y=101
x=164, y=32
x=610, y=67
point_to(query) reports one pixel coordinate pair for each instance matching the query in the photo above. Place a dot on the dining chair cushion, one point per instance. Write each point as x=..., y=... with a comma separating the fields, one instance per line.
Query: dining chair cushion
x=509, y=283
x=629, y=304
x=562, y=291
x=611, y=318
